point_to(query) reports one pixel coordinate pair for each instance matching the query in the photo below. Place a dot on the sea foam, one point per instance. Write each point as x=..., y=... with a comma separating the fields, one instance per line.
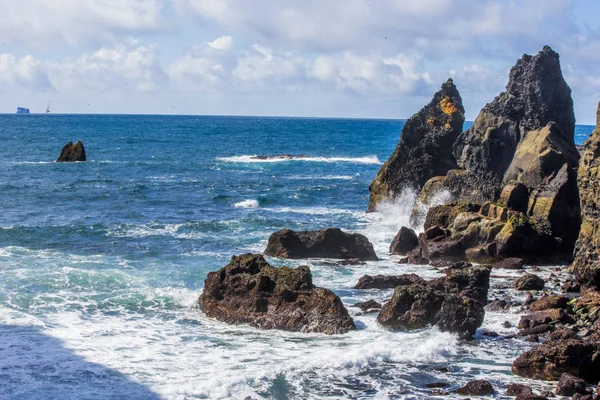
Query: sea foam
x=252, y=159
x=250, y=203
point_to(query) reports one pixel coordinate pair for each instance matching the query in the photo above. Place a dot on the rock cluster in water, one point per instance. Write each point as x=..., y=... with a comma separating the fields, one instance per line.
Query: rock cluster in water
x=72, y=152
x=515, y=178
x=250, y=291
x=455, y=303
x=514, y=187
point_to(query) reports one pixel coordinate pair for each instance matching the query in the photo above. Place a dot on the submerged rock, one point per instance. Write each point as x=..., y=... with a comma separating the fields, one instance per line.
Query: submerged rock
x=369, y=306
x=72, y=152
x=586, y=265
x=326, y=243
x=455, y=303
x=280, y=157
x=250, y=291
x=424, y=149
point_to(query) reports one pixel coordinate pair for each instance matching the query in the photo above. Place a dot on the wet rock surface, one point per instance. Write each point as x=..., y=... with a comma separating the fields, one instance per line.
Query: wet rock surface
x=72, y=153
x=586, y=265
x=424, y=149
x=387, y=281
x=529, y=282
x=477, y=388
x=325, y=243
x=405, y=241
x=250, y=291
x=455, y=303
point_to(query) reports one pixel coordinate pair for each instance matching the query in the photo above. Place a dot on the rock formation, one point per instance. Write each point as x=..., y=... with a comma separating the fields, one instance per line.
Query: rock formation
x=405, y=241
x=455, y=303
x=250, y=291
x=550, y=360
x=519, y=156
x=326, y=243
x=513, y=130
x=424, y=149
x=387, y=281
x=586, y=265
x=72, y=152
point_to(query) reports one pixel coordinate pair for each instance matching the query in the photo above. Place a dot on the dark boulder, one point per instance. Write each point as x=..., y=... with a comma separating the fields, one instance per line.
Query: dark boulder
x=326, y=243
x=509, y=263
x=72, y=152
x=455, y=303
x=551, y=359
x=548, y=302
x=545, y=317
x=405, y=241
x=529, y=282
x=477, y=388
x=424, y=149
x=515, y=389
x=250, y=291
x=586, y=265
x=568, y=385
x=387, y=281
x=369, y=306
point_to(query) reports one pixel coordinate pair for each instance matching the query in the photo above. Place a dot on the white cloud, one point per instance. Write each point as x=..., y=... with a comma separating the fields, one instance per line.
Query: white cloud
x=222, y=43
x=44, y=25
x=24, y=72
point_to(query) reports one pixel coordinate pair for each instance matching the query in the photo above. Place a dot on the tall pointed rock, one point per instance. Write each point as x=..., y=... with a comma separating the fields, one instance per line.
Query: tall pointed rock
x=424, y=149
x=536, y=95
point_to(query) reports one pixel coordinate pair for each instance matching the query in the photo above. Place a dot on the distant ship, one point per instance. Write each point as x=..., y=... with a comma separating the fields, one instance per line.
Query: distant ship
x=48, y=108
x=22, y=110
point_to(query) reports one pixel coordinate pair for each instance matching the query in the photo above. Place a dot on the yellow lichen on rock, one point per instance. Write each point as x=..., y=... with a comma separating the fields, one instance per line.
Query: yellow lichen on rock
x=447, y=106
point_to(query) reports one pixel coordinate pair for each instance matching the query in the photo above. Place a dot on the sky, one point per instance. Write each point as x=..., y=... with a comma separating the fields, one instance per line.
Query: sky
x=320, y=58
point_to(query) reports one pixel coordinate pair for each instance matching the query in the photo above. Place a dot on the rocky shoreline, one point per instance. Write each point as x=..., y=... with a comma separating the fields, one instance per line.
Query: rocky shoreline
x=521, y=194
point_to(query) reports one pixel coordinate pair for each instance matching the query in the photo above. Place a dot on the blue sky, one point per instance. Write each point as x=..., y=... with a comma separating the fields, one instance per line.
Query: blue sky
x=339, y=58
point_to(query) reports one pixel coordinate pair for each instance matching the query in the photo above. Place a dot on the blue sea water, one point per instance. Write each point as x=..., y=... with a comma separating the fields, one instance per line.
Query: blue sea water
x=102, y=262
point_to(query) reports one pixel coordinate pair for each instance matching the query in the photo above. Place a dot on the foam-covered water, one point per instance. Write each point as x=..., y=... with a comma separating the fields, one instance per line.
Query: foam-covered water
x=102, y=262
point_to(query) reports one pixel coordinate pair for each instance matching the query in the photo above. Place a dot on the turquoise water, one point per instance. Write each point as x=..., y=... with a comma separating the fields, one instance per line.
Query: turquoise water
x=102, y=262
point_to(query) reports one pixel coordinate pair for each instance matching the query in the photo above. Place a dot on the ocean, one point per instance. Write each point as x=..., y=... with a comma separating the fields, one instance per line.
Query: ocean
x=102, y=262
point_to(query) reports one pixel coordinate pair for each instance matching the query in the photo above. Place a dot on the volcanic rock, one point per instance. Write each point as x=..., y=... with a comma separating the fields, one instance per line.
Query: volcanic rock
x=369, y=306
x=515, y=389
x=536, y=95
x=547, y=302
x=455, y=303
x=326, y=243
x=424, y=149
x=551, y=359
x=529, y=282
x=509, y=263
x=586, y=265
x=387, y=281
x=568, y=385
x=477, y=388
x=250, y=291
x=72, y=152
x=405, y=241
